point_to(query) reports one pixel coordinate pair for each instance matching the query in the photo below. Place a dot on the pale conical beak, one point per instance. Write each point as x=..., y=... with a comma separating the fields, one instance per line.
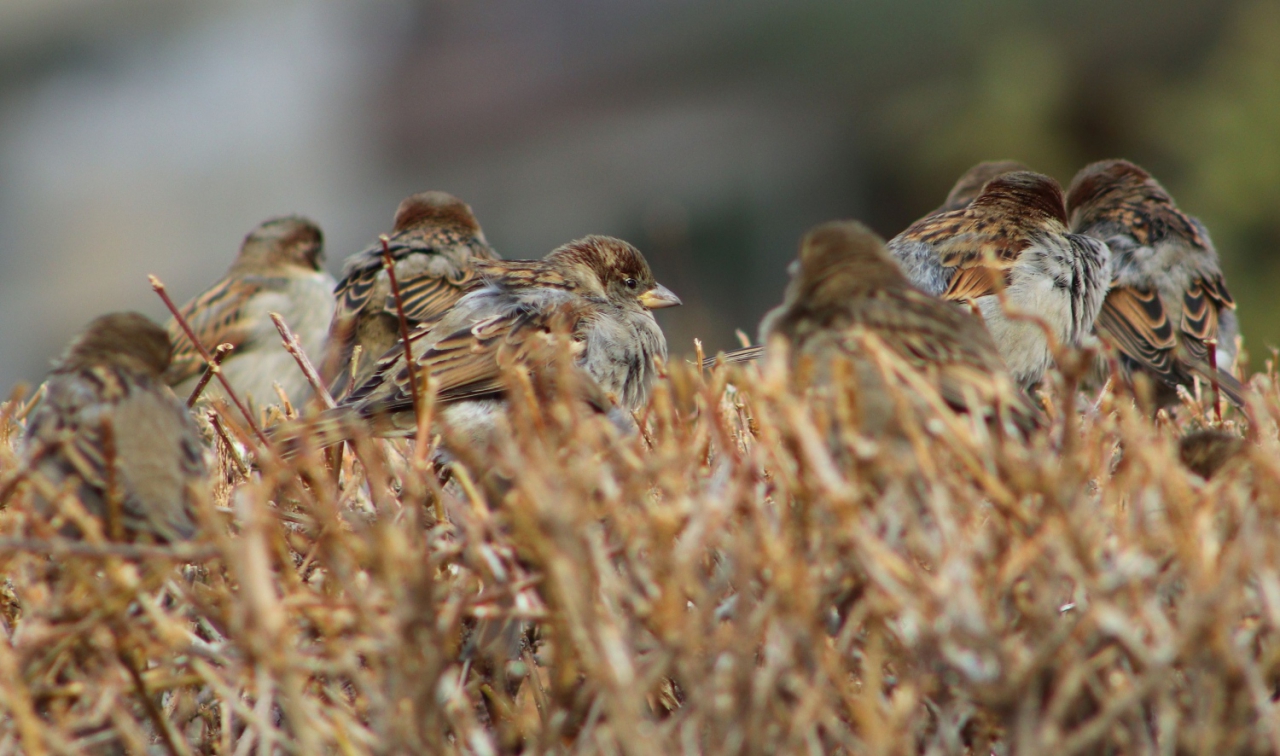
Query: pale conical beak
x=658, y=297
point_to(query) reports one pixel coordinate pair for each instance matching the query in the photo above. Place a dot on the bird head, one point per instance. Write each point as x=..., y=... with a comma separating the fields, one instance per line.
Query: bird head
x=122, y=339
x=286, y=241
x=614, y=270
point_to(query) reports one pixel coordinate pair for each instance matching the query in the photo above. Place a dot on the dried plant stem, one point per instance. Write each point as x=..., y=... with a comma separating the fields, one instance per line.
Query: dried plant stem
x=113, y=494
x=1212, y=346
x=421, y=412
x=175, y=746
x=159, y=288
x=178, y=552
x=389, y=264
x=294, y=348
x=219, y=354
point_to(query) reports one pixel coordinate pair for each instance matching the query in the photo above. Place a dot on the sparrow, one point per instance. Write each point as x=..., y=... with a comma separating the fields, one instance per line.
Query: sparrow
x=1167, y=296
x=587, y=304
x=846, y=284
x=1011, y=241
x=109, y=423
x=434, y=242
x=279, y=269
x=1207, y=451
x=970, y=184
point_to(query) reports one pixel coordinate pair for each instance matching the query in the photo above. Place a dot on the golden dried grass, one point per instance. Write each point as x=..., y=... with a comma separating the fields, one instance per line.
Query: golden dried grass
x=719, y=583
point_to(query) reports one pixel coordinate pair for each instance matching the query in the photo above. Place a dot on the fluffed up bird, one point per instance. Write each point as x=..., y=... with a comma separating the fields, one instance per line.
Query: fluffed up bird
x=1207, y=451
x=1011, y=241
x=1168, y=298
x=846, y=285
x=278, y=270
x=598, y=292
x=110, y=424
x=434, y=243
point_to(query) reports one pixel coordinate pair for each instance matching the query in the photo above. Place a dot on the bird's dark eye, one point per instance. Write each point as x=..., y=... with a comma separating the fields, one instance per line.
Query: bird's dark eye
x=630, y=283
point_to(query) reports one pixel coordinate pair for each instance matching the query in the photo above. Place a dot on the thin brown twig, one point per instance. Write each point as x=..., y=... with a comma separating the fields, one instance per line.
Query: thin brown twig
x=219, y=354
x=1212, y=345
x=177, y=552
x=414, y=391
x=215, y=420
x=294, y=348
x=389, y=264
x=158, y=287
x=113, y=494
x=158, y=720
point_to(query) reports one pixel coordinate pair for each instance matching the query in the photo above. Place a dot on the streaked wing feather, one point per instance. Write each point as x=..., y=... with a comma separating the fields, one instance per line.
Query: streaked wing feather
x=216, y=317
x=971, y=283
x=745, y=354
x=1135, y=322
x=427, y=298
x=983, y=257
x=955, y=345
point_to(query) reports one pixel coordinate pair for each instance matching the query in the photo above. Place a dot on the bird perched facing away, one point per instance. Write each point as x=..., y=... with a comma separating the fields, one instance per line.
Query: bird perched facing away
x=1168, y=297
x=110, y=423
x=1012, y=241
x=970, y=184
x=846, y=284
x=278, y=270
x=598, y=292
x=1207, y=451
x=434, y=242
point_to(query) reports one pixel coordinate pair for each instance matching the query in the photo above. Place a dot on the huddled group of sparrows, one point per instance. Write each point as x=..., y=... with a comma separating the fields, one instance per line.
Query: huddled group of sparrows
x=977, y=298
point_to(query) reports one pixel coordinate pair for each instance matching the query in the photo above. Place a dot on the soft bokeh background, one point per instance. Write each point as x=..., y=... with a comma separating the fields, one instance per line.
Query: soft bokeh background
x=147, y=136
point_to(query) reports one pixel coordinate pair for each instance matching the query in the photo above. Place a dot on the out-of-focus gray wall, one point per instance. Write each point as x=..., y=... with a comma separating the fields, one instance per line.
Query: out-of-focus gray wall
x=147, y=136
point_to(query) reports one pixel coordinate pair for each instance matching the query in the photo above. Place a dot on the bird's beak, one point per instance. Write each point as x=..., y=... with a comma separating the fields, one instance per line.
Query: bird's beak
x=658, y=297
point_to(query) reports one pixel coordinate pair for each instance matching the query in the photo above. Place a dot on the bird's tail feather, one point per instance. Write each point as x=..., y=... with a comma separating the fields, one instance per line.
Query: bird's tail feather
x=317, y=432
x=746, y=354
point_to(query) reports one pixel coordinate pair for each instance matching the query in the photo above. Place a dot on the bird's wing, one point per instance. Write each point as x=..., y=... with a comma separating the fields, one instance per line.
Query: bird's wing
x=978, y=253
x=427, y=298
x=1203, y=300
x=954, y=345
x=355, y=287
x=219, y=316
x=1201, y=308
x=469, y=362
x=1135, y=322
x=982, y=259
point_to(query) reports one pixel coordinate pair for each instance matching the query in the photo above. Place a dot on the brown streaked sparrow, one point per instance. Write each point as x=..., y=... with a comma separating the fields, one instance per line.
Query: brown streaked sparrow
x=1168, y=298
x=109, y=423
x=278, y=270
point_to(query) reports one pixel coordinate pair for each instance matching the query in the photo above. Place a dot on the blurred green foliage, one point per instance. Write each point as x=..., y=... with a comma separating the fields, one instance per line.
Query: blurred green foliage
x=1222, y=128
x=1206, y=124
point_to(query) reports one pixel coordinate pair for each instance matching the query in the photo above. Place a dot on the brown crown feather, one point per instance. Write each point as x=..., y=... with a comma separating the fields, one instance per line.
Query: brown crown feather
x=969, y=185
x=288, y=238
x=1104, y=177
x=435, y=208
x=126, y=339
x=606, y=256
x=1120, y=191
x=1025, y=192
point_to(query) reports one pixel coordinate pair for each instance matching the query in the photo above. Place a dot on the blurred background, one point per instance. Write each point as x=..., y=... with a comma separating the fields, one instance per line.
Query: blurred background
x=148, y=136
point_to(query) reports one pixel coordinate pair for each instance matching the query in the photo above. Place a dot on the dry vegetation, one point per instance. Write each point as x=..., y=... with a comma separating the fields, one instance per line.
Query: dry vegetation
x=720, y=583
